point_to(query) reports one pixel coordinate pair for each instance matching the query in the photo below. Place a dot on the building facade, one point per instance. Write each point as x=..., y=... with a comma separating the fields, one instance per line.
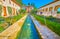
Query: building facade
x=28, y=9
x=50, y=9
x=8, y=8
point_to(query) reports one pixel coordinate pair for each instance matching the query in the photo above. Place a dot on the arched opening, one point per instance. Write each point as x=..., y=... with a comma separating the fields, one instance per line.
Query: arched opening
x=9, y=10
x=50, y=9
x=4, y=11
x=43, y=10
x=46, y=9
x=57, y=9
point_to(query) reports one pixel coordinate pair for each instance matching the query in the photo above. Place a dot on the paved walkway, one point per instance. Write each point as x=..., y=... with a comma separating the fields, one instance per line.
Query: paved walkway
x=44, y=31
x=11, y=32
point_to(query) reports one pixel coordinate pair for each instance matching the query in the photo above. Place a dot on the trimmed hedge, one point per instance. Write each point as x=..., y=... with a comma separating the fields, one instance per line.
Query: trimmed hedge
x=54, y=26
x=58, y=12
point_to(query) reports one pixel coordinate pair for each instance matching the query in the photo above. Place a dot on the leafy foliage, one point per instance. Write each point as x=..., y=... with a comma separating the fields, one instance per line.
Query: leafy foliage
x=1, y=28
x=34, y=11
x=22, y=11
x=19, y=2
x=9, y=10
x=58, y=12
x=6, y=22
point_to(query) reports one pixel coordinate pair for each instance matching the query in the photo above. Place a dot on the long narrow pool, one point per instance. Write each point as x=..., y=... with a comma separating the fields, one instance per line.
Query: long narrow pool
x=28, y=30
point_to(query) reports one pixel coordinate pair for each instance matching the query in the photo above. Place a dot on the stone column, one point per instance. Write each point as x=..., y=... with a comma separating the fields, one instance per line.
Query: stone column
x=13, y=11
x=7, y=12
x=53, y=9
x=48, y=14
x=44, y=11
x=50, y=10
x=54, y=12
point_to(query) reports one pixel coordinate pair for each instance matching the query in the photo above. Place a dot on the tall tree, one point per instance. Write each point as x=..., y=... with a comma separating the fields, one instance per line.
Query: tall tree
x=19, y=2
x=32, y=4
x=29, y=4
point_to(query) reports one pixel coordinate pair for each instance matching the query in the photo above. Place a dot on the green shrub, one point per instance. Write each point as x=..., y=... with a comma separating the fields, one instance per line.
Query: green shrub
x=58, y=12
x=54, y=26
x=1, y=28
x=9, y=10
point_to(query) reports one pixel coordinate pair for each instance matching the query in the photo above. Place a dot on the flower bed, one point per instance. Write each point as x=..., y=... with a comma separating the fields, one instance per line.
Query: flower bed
x=6, y=22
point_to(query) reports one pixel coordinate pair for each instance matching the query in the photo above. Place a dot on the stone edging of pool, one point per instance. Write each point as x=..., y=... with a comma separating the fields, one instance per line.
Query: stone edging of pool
x=11, y=32
x=47, y=34
x=37, y=29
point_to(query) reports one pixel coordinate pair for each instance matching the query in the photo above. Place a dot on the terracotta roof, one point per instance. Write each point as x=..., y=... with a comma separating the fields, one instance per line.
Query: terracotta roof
x=50, y=3
x=15, y=2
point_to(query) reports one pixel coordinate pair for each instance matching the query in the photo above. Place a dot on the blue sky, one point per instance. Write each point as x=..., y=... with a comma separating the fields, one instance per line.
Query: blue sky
x=58, y=9
x=38, y=3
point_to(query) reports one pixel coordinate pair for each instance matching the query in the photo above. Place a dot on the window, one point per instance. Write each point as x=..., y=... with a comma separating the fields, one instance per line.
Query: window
x=3, y=0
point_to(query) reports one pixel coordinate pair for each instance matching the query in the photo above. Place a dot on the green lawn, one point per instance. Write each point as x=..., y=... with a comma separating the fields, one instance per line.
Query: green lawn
x=54, y=26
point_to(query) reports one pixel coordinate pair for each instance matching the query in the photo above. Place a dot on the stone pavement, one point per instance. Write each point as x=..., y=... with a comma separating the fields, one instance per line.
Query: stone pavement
x=44, y=31
x=11, y=32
